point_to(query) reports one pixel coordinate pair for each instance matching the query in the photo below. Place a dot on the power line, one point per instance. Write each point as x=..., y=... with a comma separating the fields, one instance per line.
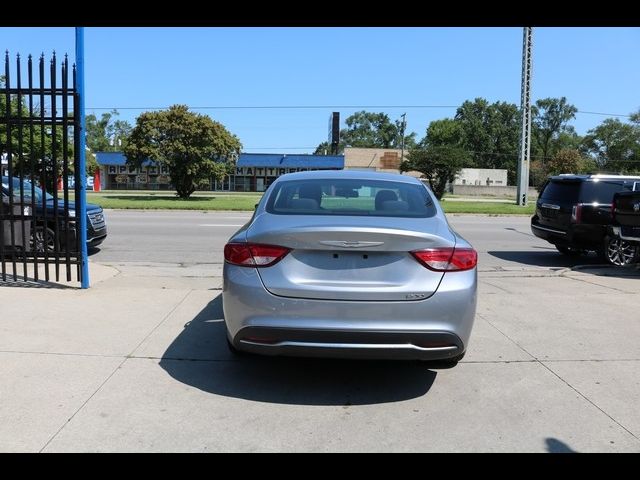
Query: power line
x=311, y=107
x=276, y=107
x=607, y=114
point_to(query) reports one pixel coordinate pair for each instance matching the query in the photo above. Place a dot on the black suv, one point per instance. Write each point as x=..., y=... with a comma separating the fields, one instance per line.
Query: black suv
x=573, y=212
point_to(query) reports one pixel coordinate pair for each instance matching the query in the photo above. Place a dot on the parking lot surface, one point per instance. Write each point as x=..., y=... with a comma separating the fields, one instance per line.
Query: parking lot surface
x=139, y=362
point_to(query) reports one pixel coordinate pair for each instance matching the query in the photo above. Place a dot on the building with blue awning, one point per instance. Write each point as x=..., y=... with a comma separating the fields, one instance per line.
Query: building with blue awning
x=254, y=171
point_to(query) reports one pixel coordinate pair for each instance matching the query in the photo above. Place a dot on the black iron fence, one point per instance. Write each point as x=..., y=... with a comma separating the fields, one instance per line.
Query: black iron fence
x=39, y=116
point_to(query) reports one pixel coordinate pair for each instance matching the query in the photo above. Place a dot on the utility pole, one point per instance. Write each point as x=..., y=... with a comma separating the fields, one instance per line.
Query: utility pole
x=525, y=107
x=402, y=127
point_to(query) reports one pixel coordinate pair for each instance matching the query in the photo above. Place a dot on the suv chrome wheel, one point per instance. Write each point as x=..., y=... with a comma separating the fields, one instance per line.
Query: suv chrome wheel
x=620, y=252
x=41, y=241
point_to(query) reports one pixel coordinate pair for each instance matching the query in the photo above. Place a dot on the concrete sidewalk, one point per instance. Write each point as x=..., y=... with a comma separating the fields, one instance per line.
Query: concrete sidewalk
x=139, y=363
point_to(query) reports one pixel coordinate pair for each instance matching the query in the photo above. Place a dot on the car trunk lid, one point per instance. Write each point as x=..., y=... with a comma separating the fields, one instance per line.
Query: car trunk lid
x=332, y=259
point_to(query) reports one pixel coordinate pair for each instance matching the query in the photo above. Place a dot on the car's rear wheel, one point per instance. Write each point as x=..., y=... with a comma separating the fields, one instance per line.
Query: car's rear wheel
x=568, y=251
x=620, y=252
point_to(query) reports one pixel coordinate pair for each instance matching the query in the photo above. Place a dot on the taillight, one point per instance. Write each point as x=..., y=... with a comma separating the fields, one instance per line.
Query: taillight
x=576, y=213
x=613, y=210
x=447, y=259
x=253, y=254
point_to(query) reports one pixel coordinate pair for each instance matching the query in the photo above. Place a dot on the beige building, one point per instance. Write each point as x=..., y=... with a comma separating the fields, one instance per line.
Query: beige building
x=488, y=177
x=375, y=159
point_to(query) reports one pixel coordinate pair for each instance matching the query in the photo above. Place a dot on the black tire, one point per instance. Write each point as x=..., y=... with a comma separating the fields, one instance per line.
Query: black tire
x=568, y=251
x=619, y=252
x=39, y=244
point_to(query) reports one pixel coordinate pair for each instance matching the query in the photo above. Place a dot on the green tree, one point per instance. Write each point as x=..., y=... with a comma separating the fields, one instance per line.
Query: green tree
x=614, y=145
x=439, y=165
x=91, y=164
x=325, y=148
x=568, y=160
x=445, y=132
x=370, y=130
x=107, y=134
x=490, y=133
x=193, y=146
x=439, y=156
x=551, y=118
x=36, y=143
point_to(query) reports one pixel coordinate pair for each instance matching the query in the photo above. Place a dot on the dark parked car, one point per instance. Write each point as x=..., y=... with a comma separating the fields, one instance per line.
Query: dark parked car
x=625, y=231
x=96, y=224
x=573, y=212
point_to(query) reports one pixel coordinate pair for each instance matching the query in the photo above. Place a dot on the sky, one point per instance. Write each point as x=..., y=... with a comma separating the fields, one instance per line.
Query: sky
x=425, y=72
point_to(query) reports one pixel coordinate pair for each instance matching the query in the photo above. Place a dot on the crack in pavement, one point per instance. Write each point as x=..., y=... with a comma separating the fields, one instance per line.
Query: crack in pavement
x=118, y=367
x=548, y=368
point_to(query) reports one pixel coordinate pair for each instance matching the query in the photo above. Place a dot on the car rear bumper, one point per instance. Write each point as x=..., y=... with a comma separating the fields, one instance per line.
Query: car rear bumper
x=577, y=235
x=629, y=234
x=437, y=328
x=553, y=235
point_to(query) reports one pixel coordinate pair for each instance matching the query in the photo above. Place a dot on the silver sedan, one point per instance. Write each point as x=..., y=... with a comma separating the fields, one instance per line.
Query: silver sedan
x=349, y=264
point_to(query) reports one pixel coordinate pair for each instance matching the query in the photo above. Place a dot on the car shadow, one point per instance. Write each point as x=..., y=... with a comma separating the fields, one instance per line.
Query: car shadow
x=590, y=263
x=547, y=258
x=199, y=357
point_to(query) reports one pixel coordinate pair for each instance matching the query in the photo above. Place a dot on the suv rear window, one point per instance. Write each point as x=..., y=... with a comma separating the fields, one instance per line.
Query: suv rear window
x=561, y=191
x=350, y=197
x=602, y=191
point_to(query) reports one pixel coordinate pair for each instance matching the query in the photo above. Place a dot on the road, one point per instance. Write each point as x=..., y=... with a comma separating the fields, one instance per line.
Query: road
x=190, y=238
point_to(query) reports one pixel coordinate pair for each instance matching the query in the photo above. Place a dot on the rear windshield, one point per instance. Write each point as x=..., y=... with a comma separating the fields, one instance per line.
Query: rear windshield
x=561, y=191
x=350, y=197
x=602, y=191
x=596, y=191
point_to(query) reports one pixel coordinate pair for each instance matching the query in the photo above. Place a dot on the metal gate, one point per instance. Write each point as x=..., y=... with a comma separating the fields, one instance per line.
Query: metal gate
x=39, y=138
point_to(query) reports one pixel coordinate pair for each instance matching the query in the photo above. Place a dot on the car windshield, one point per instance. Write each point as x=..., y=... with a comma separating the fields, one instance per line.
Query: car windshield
x=330, y=196
x=27, y=190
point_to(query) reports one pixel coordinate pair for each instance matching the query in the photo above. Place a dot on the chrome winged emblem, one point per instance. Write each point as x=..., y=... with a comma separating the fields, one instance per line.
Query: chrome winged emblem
x=636, y=207
x=349, y=243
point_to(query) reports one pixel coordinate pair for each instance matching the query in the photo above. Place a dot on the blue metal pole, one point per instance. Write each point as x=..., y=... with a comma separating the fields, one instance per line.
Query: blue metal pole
x=81, y=218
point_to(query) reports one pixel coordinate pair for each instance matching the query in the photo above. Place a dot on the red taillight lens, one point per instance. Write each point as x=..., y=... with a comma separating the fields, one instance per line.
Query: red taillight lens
x=576, y=213
x=613, y=210
x=447, y=259
x=253, y=254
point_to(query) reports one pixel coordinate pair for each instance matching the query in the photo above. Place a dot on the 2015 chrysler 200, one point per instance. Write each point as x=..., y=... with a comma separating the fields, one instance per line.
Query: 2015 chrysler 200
x=349, y=264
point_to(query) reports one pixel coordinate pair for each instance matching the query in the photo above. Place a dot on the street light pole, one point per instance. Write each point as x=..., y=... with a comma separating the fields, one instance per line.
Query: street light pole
x=402, y=127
